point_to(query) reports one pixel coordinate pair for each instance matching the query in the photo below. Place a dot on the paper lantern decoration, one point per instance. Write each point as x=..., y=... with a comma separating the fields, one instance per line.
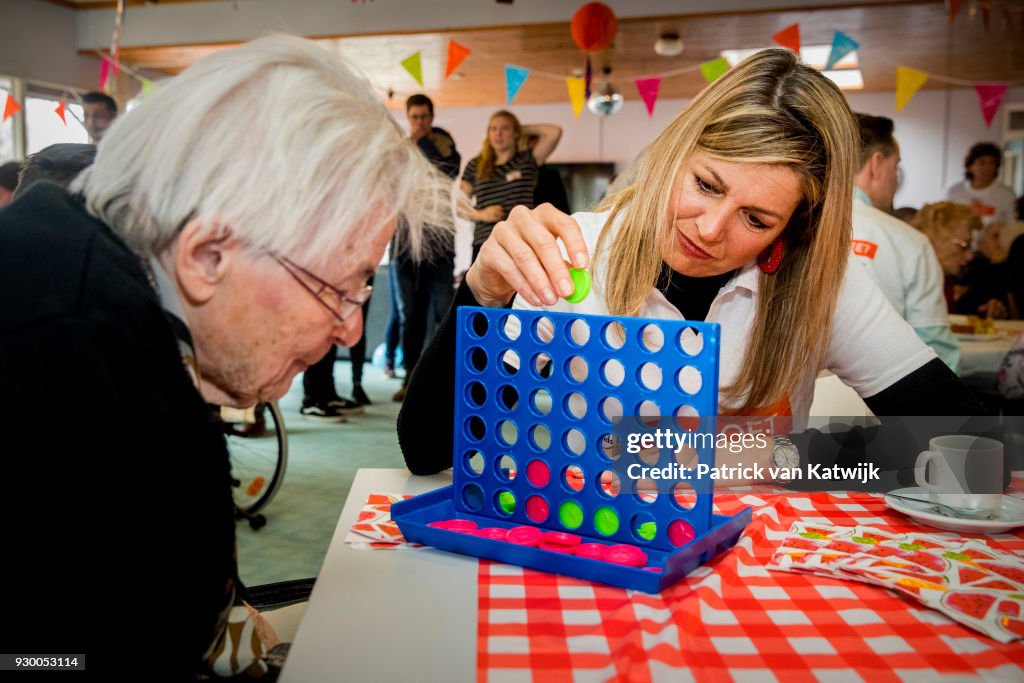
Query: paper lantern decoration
x=594, y=26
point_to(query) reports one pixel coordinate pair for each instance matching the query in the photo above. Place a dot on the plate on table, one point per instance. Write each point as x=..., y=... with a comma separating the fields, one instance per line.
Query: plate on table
x=1009, y=515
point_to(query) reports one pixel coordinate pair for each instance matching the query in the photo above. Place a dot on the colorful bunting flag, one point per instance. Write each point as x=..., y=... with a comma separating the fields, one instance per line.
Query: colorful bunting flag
x=789, y=38
x=11, y=107
x=990, y=96
x=576, y=87
x=842, y=45
x=648, y=89
x=60, y=110
x=714, y=69
x=148, y=88
x=412, y=65
x=515, y=76
x=908, y=82
x=456, y=53
x=104, y=75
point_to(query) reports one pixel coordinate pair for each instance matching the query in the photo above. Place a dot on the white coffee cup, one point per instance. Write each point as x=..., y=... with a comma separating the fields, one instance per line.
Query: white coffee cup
x=962, y=471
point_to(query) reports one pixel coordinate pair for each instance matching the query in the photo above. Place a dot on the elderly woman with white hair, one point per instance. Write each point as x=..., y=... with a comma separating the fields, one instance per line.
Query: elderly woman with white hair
x=231, y=221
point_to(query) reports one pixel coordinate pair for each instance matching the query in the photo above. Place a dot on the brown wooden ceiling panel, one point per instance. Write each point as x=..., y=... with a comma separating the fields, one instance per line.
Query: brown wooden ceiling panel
x=915, y=35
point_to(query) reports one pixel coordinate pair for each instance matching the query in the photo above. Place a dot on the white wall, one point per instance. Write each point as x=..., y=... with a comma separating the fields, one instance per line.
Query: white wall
x=932, y=159
x=38, y=42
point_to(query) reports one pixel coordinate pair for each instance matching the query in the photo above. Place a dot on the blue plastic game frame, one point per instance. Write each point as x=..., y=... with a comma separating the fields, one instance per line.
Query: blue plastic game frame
x=520, y=374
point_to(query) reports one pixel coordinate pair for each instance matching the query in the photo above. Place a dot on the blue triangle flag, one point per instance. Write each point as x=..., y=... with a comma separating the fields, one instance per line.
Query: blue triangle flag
x=842, y=45
x=515, y=76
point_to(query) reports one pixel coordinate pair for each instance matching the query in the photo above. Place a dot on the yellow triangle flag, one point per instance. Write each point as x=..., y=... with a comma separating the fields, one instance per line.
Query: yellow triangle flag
x=908, y=82
x=576, y=87
x=412, y=65
x=148, y=88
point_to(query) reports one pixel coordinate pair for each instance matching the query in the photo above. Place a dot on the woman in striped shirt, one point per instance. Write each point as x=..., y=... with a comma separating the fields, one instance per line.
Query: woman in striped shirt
x=504, y=174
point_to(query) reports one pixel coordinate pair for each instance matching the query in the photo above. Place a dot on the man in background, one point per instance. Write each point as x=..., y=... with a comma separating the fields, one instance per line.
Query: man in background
x=100, y=112
x=899, y=258
x=425, y=285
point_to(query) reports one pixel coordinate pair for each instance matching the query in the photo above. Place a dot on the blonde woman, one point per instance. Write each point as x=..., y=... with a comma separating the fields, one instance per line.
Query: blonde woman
x=949, y=226
x=739, y=214
x=504, y=174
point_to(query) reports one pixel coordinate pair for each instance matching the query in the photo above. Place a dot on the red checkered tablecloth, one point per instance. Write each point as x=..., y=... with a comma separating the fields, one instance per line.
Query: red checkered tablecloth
x=733, y=620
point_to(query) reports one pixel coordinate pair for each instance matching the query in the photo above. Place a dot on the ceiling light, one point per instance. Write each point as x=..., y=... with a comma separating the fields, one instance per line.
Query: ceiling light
x=668, y=45
x=811, y=55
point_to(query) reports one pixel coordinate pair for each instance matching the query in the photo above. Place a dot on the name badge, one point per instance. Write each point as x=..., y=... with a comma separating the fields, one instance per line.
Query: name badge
x=513, y=175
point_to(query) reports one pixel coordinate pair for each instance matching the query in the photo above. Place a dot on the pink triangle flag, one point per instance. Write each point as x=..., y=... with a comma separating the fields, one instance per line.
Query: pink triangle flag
x=990, y=96
x=104, y=75
x=648, y=89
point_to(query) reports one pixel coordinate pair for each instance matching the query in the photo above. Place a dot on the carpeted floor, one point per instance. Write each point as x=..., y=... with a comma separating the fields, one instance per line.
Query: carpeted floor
x=322, y=462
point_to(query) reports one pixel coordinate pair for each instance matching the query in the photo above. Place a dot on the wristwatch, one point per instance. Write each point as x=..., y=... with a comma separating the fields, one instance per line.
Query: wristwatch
x=785, y=456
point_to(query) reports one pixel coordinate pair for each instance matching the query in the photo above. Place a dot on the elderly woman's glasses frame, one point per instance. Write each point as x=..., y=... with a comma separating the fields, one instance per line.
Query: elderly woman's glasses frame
x=964, y=246
x=341, y=304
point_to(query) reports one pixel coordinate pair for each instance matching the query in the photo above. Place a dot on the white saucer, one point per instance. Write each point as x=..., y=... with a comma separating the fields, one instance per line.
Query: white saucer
x=1009, y=515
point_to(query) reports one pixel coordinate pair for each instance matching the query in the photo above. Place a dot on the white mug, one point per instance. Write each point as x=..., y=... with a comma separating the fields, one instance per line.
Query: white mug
x=966, y=472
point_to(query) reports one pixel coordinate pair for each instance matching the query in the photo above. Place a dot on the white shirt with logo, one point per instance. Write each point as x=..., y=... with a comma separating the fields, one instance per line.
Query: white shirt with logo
x=870, y=348
x=992, y=203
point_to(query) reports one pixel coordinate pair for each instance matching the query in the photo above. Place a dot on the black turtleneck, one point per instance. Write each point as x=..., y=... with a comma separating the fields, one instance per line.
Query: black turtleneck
x=691, y=295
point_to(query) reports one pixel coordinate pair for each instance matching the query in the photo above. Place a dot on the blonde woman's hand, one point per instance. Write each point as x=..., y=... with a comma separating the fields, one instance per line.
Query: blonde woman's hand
x=522, y=255
x=491, y=214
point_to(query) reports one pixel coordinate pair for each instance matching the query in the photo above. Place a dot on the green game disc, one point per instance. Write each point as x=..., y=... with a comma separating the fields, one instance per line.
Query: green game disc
x=647, y=531
x=581, y=285
x=507, y=502
x=606, y=521
x=570, y=514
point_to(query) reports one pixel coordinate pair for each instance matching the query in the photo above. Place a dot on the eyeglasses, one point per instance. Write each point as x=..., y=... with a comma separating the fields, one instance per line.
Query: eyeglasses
x=340, y=304
x=964, y=246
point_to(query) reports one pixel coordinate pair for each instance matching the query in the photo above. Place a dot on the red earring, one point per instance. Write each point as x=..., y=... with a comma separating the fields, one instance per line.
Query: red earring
x=771, y=258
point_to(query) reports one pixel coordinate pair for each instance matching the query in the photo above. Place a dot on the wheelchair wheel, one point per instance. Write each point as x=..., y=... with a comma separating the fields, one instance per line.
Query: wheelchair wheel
x=258, y=463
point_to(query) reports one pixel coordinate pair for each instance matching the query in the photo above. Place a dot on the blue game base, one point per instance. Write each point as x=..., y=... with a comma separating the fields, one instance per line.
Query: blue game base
x=414, y=515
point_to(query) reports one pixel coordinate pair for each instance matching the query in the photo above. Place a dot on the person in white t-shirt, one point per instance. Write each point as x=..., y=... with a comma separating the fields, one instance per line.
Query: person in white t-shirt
x=980, y=190
x=898, y=258
x=740, y=215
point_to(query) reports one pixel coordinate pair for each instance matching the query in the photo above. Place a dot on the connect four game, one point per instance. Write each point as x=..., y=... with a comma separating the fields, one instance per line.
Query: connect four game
x=547, y=475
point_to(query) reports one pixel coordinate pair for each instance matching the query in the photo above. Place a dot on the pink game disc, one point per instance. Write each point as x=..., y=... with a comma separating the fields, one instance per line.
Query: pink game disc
x=626, y=555
x=561, y=538
x=463, y=526
x=524, y=535
x=564, y=549
x=594, y=551
x=680, y=533
x=656, y=570
x=494, y=533
x=443, y=524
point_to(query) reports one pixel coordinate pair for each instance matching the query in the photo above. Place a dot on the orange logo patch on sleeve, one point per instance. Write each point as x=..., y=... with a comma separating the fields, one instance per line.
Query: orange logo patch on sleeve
x=864, y=248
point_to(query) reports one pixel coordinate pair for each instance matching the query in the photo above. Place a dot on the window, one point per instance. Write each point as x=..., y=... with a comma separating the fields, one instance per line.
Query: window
x=44, y=127
x=6, y=127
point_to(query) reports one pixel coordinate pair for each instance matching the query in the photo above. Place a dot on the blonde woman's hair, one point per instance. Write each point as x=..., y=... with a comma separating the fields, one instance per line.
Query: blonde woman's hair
x=936, y=220
x=485, y=160
x=281, y=138
x=769, y=109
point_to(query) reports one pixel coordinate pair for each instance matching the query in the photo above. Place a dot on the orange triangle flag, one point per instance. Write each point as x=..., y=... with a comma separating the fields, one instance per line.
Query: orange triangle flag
x=789, y=38
x=11, y=107
x=456, y=53
x=908, y=82
x=60, y=110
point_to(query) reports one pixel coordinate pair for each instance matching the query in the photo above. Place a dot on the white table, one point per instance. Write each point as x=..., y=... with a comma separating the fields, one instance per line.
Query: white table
x=387, y=615
x=981, y=355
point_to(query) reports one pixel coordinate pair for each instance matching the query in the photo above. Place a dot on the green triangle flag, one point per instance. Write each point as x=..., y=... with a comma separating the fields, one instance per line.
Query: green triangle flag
x=714, y=69
x=412, y=65
x=148, y=88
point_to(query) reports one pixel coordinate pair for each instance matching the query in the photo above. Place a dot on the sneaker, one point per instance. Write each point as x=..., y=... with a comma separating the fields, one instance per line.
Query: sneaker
x=324, y=412
x=346, y=406
x=359, y=396
x=399, y=395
